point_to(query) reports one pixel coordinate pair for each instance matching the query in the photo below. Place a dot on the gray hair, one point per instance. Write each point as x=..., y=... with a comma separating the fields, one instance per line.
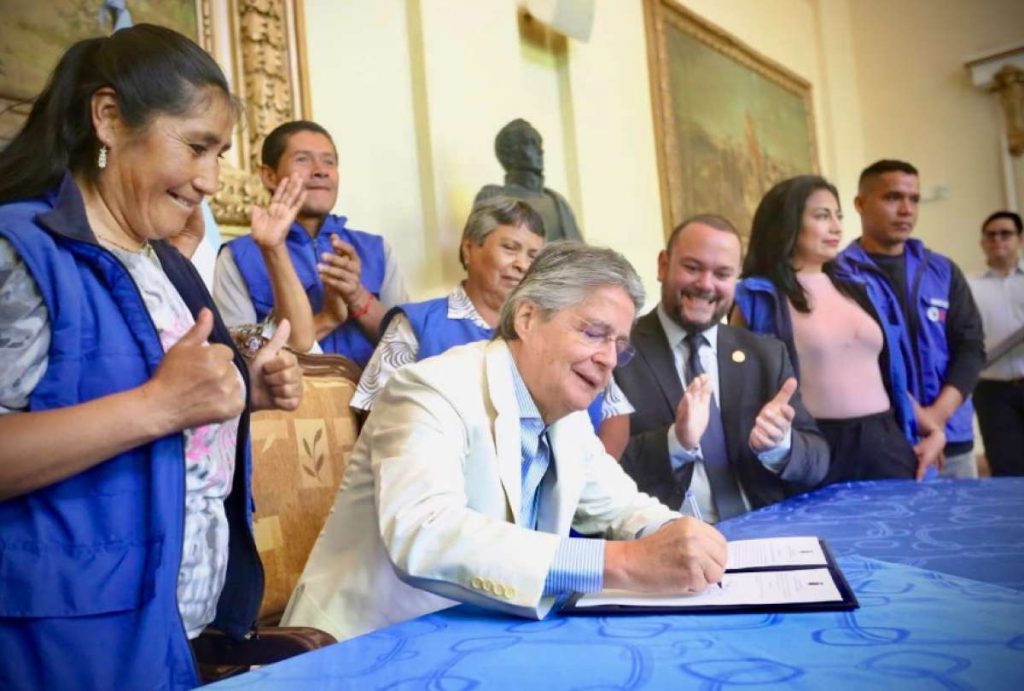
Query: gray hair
x=500, y=210
x=563, y=275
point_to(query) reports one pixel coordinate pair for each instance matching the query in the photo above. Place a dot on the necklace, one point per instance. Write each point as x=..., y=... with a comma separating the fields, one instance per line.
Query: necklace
x=134, y=250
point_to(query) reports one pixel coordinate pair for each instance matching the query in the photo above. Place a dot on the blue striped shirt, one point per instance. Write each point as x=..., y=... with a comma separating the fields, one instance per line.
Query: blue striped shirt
x=578, y=565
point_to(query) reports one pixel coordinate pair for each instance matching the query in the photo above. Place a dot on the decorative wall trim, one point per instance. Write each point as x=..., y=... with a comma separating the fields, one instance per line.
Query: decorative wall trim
x=267, y=60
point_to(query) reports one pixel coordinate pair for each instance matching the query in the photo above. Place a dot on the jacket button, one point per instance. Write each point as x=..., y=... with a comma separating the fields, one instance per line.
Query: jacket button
x=476, y=582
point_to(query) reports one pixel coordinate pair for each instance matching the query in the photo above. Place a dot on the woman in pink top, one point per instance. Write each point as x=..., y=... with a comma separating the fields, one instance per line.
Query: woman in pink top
x=836, y=332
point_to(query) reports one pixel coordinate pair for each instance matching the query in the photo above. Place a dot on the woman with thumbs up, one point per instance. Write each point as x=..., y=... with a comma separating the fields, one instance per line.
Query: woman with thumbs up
x=124, y=407
x=841, y=343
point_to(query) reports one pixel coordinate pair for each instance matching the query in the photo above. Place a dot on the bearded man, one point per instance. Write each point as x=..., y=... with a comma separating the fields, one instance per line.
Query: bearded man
x=719, y=422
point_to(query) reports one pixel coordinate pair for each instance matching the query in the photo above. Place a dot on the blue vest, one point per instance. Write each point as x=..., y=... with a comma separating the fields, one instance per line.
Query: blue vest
x=348, y=339
x=929, y=277
x=89, y=565
x=757, y=298
x=437, y=333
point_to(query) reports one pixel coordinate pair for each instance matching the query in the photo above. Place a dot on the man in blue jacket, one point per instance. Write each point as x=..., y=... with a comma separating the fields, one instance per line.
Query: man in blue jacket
x=350, y=277
x=942, y=339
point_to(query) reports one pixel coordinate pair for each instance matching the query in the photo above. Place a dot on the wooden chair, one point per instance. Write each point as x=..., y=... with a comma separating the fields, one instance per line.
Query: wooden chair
x=298, y=460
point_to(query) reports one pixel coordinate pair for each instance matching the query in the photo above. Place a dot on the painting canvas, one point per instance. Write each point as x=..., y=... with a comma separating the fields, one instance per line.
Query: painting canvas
x=34, y=34
x=730, y=123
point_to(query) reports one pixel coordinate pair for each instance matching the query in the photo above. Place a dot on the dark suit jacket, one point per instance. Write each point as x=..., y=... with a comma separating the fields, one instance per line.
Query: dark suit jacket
x=652, y=385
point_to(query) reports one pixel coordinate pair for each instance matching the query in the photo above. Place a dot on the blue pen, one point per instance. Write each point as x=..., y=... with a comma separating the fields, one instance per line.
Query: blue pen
x=690, y=502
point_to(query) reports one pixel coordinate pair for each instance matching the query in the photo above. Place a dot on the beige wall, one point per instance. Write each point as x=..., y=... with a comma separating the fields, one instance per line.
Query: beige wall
x=918, y=104
x=415, y=90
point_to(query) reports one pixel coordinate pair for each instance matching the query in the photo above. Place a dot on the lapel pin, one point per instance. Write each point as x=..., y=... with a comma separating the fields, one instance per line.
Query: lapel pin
x=738, y=356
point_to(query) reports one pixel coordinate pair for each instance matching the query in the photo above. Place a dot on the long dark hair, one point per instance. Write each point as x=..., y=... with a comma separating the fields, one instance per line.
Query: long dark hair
x=152, y=69
x=774, y=233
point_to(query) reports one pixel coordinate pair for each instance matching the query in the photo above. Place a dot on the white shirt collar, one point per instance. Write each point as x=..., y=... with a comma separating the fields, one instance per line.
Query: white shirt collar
x=1017, y=270
x=461, y=307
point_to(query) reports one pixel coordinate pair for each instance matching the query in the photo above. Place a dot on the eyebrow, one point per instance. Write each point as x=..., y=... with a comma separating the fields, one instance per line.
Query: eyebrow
x=310, y=152
x=208, y=139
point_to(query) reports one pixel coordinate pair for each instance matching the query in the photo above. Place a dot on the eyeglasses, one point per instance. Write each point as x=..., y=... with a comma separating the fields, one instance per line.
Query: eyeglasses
x=597, y=335
x=1001, y=234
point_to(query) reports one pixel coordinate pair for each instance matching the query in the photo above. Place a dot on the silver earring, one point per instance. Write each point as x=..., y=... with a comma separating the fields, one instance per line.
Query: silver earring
x=101, y=160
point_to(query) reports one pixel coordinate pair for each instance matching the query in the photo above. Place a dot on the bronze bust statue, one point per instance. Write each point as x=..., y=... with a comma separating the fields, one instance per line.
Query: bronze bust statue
x=520, y=151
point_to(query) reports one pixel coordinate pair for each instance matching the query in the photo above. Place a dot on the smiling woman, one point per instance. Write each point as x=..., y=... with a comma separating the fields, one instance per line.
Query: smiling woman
x=844, y=348
x=154, y=180
x=499, y=242
x=124, y=408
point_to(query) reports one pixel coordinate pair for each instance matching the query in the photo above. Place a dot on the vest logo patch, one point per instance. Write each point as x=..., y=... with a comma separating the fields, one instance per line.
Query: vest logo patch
x=936, y=314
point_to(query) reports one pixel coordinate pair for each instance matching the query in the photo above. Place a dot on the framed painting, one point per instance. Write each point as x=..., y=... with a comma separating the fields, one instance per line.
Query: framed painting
x=35, y=34
x=729, y=123
x=259, y=44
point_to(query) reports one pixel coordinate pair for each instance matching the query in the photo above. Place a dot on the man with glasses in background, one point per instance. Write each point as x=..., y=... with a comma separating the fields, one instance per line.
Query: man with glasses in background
x=475, y=465
x=999, y=294
x=719, y=428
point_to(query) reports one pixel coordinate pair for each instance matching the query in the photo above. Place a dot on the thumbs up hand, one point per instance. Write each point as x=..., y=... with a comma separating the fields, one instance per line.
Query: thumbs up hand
x=774, y=420
x=274, y=374
x=196, y=383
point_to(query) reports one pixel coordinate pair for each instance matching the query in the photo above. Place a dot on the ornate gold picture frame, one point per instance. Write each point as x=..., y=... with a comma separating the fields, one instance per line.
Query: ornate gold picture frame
x=729, y=122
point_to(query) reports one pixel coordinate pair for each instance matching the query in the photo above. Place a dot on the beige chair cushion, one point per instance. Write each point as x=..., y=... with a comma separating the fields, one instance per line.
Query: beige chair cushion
x=298, y=461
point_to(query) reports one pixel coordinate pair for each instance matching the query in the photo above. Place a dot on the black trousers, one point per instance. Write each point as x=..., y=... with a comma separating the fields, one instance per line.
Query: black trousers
x=1000, y=407
x=871, y=447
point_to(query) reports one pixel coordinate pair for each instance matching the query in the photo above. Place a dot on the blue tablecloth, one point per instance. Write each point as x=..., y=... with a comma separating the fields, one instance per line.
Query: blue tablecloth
x=971, y=528
x=917, y=628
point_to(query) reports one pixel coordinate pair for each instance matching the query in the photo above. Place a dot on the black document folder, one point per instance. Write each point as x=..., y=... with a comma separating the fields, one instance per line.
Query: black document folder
x=768, y=585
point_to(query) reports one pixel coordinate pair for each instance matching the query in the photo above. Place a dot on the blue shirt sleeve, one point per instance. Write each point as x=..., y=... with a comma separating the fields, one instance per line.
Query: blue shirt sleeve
x=775, y=459
x=578, y=567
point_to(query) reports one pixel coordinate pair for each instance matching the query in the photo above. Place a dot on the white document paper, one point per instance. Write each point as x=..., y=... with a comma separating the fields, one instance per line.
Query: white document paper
x=749, y=588
x=775, y=551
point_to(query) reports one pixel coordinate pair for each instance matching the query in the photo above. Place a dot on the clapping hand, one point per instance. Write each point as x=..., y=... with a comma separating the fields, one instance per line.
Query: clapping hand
x=774, y=420
x=274, y=373
x=270, y=226
x=341, y=270
x=692, y=412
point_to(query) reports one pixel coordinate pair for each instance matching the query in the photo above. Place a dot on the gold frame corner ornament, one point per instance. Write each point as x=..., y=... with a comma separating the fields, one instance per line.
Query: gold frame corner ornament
x=268, y=51
x=1008, y=82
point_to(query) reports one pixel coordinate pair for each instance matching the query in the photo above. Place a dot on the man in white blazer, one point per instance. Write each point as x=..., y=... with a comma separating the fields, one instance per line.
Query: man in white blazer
x=475, y=464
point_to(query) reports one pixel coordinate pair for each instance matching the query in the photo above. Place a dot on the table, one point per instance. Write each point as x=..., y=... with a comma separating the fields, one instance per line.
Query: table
x=970, y=528
x=938, y=569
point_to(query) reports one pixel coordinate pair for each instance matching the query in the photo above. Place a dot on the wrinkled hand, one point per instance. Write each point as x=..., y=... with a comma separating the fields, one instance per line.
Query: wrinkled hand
x=188, y=239
x=274, y=374
x=692, y=412
x=196, y=383
x=774, y=420
x=340, y=270
x=685, y=555
x=269, y=227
